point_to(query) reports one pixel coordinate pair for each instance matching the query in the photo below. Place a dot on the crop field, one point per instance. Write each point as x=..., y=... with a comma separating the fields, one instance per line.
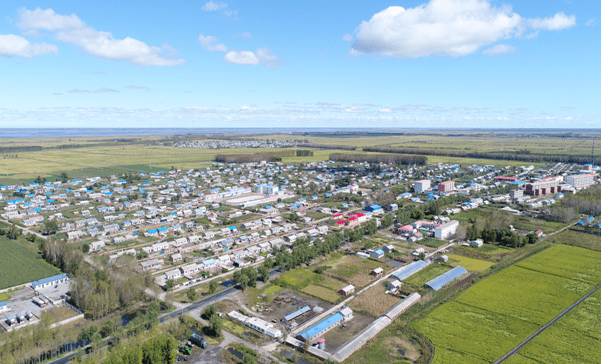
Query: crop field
x=445, y=356
x=499, y=312
x=430, y=272
x=374, y=302
x=19, y=264
x=472, y=265
x=323, y=293
x=575, y=238
x=574, y=338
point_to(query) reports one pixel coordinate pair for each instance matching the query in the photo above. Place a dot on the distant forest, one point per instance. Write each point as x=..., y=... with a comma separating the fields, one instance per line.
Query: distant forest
x=380, y=158
x=525, y=156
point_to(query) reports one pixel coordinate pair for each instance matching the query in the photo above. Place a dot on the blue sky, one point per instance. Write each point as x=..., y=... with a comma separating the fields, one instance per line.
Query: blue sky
x=440, y=63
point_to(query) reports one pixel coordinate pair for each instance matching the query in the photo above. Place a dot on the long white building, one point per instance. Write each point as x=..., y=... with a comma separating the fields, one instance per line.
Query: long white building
x=581, y=180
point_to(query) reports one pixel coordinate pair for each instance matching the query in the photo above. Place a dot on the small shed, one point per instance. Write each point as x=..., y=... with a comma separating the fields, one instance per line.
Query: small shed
x=388, y=248
x=377, y=254
x=443, y=258
x=345, y=291
x=476, y=243
x=394, y=285
x=377, y=272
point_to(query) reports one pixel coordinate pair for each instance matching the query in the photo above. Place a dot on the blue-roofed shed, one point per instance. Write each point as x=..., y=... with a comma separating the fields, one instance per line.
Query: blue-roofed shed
x=49, y=281
x=296, y=314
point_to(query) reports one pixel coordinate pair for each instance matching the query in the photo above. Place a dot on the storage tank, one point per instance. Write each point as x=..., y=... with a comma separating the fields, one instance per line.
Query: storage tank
x=21, y=317
x=29, y=315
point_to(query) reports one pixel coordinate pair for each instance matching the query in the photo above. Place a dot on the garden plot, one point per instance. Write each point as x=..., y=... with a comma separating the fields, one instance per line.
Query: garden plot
x=374, y=302
x=354, y=270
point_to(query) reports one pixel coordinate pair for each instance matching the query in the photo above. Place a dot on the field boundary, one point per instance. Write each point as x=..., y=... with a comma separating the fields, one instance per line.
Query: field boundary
x=539, y=331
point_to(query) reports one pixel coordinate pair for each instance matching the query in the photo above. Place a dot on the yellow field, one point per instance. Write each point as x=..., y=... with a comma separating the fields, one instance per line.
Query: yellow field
x=472, y=265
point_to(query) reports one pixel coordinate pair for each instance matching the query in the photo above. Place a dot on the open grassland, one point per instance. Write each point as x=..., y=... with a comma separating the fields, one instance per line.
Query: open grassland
x=575, y=338
x=499, y=312
x=472, y=265
x=374, y=302
x=19, y=265
x=575, y=238
x=430, y=272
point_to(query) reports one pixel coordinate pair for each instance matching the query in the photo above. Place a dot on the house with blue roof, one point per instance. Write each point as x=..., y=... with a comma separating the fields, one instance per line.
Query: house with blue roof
x=49, y=281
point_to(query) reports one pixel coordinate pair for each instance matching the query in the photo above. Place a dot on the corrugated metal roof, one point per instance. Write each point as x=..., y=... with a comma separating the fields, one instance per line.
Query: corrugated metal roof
x=320, y=326
x=443, y=279
x=296, y=313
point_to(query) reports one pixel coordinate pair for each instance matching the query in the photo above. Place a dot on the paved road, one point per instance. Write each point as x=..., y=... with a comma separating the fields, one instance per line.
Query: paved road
x=26, y=230
x=521, y=345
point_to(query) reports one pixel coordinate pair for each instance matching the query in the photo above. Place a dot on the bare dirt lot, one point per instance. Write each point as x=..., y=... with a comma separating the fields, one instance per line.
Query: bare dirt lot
x=338, y=336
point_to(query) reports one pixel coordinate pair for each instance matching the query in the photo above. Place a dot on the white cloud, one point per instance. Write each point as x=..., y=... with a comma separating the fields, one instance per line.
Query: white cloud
x=211, y=43
x=242, y=57
x=13, y=45
x=347, y=38
x=268, y=59
x=499, y=49
x=452, y=28
x=261, y=56
x=134, y=87
x=211, y=6
x=558, y=22
x=48, y=20
x=222, y=8
x=591, y=22
x=98, y=91
x=70, y=29
x=245, y=35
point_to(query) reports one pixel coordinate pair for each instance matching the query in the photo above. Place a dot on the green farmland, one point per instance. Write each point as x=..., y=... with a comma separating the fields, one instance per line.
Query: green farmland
x=19, y=264
x=499, y=312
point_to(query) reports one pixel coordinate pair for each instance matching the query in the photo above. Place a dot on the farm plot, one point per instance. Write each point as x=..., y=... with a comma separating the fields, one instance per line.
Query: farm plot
x=474, y=331
x=446, y=356
x=20, y=265
x=472, y=265
x=374, y=302
x=355, y=270
x=574, y=338
x=496, y=314
x=320, y=292
x=525, y=294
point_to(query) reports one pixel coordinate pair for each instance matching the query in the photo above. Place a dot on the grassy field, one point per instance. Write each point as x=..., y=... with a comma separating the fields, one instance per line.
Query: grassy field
x=298, y=278
x=472, y=265
x=374, y=302
x=500, y=311
x=575, y=238
x=267, y=294
x=19, y=265
x=4, y=296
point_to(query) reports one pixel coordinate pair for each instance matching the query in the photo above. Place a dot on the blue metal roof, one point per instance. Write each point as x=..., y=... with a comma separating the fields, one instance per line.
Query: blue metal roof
x=446, y=278
x=296, y=313
x=2, y=303
x=321, y=325
x=409, y=270
x=49, y=279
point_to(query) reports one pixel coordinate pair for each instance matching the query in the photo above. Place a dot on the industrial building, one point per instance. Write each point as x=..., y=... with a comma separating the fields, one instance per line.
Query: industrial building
x=581, y=180
x=550, y=185
x=256, y=323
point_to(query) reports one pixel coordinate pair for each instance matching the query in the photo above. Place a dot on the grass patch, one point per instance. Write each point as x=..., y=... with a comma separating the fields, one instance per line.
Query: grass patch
x=433, y=243
x=472, y=265
x=298, y=278
x=4, y=296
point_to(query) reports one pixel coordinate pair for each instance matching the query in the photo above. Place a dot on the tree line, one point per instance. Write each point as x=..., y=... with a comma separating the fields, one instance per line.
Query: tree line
x=327, y=146
x=402, y=160
x=525, y=156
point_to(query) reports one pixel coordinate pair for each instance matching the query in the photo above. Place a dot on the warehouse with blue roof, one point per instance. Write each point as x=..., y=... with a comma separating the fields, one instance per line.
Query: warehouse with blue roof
x=446, y=278
x=326, y=325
